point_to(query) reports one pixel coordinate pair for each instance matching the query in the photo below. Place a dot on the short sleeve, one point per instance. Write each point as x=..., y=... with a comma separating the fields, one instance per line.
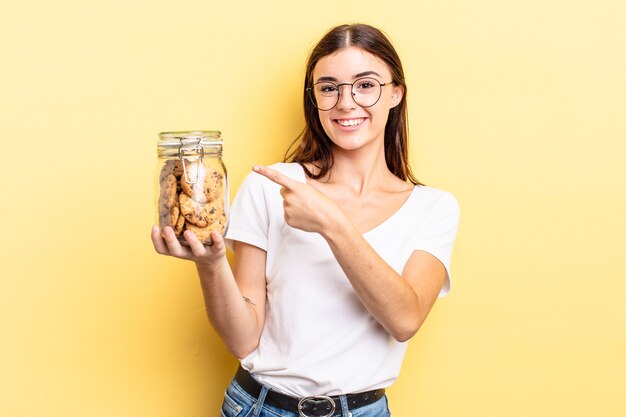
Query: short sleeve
x=249, y=217
x=437, y=238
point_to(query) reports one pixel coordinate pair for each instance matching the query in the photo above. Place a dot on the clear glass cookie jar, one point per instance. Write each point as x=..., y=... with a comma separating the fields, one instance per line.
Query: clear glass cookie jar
x=191, y=184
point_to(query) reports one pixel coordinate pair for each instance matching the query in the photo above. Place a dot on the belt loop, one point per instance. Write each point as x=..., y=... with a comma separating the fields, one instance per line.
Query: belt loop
x=344, y=406
x=260, y=401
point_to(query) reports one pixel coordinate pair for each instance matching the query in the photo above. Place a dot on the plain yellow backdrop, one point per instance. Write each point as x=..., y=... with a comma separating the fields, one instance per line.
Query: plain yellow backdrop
x=518, y=108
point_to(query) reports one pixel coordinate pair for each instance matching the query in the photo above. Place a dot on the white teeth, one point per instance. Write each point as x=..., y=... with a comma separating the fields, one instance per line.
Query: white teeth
x=351, y=122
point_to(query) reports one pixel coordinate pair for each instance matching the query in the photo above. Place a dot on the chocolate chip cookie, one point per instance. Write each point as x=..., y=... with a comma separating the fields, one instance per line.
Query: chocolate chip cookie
x=199, y=214
x=202, y=184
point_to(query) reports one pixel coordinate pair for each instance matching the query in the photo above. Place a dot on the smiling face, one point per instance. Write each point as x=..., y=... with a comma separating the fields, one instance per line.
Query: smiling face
x=349, y=125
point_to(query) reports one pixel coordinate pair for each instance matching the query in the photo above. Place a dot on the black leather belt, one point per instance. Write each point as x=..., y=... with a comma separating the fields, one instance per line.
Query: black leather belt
x=318, y=406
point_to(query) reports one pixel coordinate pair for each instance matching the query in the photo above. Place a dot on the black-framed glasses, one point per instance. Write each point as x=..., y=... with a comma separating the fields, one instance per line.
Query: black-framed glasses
x=365, y=92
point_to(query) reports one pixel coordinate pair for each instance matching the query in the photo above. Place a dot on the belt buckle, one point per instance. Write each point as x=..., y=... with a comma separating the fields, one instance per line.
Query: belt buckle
x=318, y=398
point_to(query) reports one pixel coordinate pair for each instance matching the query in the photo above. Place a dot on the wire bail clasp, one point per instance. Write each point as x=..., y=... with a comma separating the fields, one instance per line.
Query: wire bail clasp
x=190, y=147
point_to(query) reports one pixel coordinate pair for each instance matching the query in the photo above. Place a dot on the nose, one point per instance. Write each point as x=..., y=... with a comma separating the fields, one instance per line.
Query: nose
x=346, y=99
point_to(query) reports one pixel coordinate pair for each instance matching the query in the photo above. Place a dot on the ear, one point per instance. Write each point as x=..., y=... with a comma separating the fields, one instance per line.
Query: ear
x=396, y=95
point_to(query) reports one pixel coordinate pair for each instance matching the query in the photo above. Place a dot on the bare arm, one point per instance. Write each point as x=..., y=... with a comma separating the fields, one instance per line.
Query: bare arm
x=400, y=303
x=236, y=320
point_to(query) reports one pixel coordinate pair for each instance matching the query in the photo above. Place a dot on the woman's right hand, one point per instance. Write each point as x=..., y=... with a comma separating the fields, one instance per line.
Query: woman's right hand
x=168, y=244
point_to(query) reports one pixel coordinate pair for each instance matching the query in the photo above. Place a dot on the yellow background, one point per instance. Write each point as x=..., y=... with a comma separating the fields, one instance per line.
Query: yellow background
x=517, y=107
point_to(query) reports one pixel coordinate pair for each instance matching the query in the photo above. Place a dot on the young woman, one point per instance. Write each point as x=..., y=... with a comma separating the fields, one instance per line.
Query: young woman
x=339, y=254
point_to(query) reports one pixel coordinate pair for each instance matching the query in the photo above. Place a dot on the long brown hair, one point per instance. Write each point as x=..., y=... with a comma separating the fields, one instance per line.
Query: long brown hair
x=314, y=146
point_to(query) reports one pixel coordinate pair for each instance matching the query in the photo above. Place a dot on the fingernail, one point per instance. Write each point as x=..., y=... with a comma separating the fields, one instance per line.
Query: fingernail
x=256, y=168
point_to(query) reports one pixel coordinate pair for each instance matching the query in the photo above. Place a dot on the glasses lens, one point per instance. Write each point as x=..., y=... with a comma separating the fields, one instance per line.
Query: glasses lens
x=366, y=91
x=325, y=95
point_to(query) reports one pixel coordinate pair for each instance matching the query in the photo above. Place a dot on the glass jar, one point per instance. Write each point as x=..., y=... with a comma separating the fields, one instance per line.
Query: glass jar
x=191, y=184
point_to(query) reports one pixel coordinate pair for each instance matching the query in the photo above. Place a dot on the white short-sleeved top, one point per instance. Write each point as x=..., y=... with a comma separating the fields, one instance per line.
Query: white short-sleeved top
x=318, y=338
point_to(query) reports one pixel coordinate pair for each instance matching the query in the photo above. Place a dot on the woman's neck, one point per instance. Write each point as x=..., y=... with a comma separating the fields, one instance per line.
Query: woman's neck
x=360, y=171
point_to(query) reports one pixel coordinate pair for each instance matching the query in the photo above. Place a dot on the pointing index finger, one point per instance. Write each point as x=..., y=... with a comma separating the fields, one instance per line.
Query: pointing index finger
x=275, y=176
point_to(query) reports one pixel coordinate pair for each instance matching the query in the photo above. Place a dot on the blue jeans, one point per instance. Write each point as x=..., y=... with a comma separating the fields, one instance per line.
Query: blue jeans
x=238, y=403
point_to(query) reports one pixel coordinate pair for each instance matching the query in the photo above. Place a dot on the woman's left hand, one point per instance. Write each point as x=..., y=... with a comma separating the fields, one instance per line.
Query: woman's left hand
x=305, y=207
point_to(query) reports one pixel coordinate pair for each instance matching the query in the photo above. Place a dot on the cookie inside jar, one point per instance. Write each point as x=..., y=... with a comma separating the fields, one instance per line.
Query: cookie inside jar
x=192, y=197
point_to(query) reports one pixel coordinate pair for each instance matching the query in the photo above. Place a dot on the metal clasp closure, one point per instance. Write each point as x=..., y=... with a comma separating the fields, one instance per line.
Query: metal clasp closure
x=190, y=147
x=302, y=402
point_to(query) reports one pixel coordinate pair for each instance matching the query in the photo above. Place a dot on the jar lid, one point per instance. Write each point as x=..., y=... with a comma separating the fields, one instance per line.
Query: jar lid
x=200, y=137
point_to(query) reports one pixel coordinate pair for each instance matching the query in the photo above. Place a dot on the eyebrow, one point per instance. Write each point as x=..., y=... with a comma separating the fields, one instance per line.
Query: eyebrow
x=359, y=75
x=366, y=73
